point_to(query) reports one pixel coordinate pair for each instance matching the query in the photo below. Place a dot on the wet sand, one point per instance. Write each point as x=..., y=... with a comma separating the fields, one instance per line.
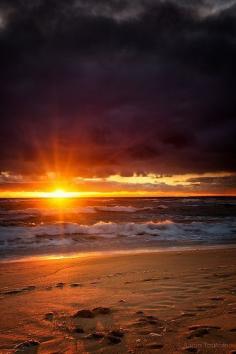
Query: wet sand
x=166, y=302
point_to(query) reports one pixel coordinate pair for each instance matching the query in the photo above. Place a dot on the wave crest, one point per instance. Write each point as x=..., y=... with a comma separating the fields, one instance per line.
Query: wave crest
x=105, y=229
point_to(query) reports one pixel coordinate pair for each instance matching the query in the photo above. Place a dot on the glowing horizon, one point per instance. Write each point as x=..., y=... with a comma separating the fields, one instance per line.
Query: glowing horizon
x=125, y=194
x=149, y=185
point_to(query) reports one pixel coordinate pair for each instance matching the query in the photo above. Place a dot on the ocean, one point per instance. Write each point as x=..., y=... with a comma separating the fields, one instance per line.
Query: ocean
x=34, y=227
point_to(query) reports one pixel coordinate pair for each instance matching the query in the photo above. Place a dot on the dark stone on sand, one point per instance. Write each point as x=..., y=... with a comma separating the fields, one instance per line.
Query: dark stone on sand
x=154, y=346
x=117, y=333
x=233, y=329
x=78, y=330
x=113, y=339
x=31, y=343
x=49, y=316
x=60, y=285
x=95, y=335
x=75, y=285
x=102, y=311
x=84, y=314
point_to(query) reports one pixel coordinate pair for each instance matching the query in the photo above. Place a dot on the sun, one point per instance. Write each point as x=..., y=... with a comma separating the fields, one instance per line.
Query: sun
x=59, y=193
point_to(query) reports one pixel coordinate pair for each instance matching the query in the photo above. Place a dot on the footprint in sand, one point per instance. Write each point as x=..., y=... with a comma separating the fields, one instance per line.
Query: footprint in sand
x=60, y=285
x=20, y=290
x=75, y=285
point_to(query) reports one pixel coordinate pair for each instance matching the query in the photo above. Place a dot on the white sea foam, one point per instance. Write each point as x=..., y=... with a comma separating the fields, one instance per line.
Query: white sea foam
x=162, y=206
x=67, y=233
x=104, y=229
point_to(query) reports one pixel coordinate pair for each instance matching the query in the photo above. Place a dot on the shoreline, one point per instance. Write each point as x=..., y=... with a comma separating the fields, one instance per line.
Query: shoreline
x=133, y=251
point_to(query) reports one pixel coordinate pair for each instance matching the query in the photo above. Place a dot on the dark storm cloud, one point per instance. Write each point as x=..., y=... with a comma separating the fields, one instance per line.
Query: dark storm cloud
x=117, y=86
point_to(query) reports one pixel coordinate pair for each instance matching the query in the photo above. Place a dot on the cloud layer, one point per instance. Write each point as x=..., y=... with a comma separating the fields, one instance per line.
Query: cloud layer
x=94, y=88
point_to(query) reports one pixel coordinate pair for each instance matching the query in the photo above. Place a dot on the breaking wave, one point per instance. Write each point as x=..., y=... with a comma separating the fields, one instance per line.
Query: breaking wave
x=105, y=229
x=35, y=226
x=59, y=234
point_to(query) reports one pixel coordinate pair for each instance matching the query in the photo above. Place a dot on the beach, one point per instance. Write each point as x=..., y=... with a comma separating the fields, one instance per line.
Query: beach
x=165, y=302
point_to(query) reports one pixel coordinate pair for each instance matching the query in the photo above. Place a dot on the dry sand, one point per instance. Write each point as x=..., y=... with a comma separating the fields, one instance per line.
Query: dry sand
x=166, y=302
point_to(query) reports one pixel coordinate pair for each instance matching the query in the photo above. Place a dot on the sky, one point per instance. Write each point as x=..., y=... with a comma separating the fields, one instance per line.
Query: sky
x=118, y=97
